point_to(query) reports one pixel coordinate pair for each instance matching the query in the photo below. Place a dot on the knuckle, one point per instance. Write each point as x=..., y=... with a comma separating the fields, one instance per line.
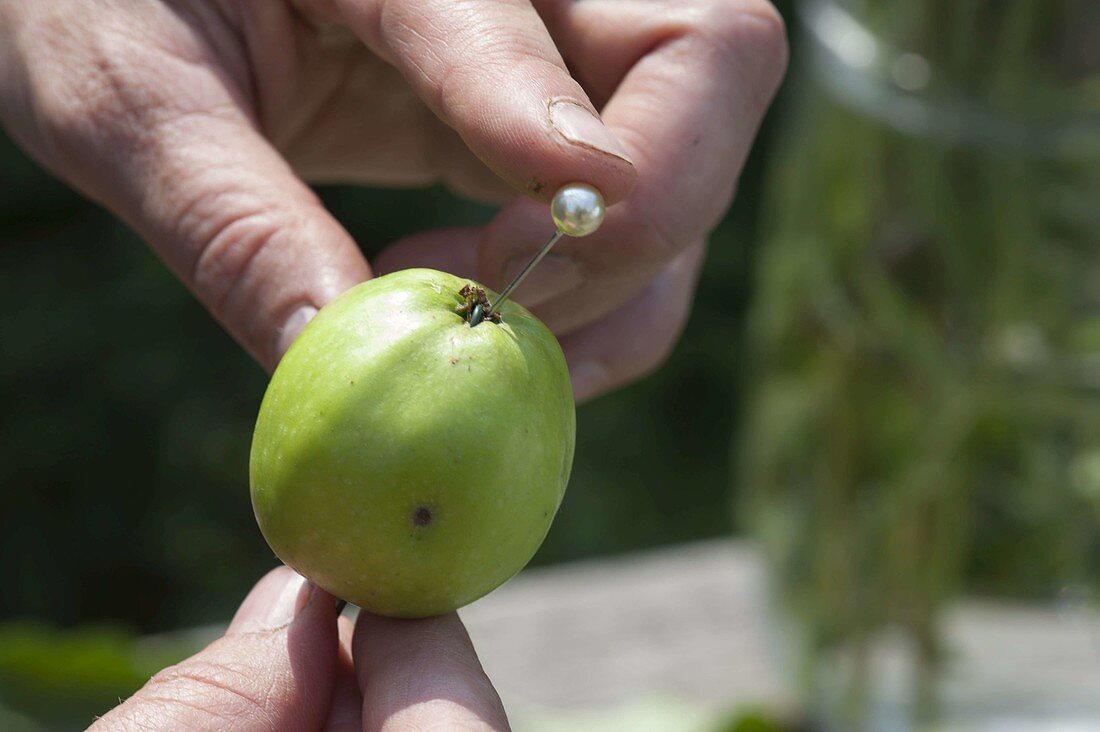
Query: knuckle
x=229, y=245
x=654, y=243
x=72, y=114
x=461, y=84
x=88, y=94
x=754, y=20
x=751, y=31
x=102, y=89
x=239, y=261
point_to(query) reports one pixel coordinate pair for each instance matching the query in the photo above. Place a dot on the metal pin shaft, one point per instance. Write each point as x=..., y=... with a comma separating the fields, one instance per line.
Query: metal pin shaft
x=526, y=270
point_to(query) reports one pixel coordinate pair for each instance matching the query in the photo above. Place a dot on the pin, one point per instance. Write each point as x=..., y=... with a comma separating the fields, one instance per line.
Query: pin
x=578, y=210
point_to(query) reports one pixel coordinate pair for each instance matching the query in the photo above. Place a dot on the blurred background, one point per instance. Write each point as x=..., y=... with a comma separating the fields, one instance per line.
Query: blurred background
x=889, y=384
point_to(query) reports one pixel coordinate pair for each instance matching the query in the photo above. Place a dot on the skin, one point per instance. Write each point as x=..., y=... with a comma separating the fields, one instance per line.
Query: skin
x=405, y=461
x=198, y=121
x=286, y=664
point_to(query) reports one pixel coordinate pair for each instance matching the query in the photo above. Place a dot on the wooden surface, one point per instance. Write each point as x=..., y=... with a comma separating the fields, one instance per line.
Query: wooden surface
x=690, y=624
x=684, y=622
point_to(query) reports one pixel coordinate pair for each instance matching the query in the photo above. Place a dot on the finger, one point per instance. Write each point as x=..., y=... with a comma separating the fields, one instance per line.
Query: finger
x=489, y=69
x=698, y=78
x=637, y=338
x=448, y=250
x=590, y=302
x=345, y=711
x=422, y=674
x=142, y=117
x=272, y=670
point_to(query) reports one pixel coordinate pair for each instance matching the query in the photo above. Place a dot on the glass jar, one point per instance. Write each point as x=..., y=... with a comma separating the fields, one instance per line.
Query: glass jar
x=921, y=451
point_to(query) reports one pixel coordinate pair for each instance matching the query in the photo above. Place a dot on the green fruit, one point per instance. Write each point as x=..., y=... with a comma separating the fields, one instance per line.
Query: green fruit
x=406, y=461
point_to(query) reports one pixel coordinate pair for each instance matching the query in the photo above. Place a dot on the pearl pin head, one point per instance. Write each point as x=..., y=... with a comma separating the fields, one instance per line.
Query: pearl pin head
x=577, y=209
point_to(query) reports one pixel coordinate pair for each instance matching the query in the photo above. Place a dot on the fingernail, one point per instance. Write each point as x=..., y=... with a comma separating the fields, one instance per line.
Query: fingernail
x=589, y=379
x=273, y=603
x=581, y=126
x=293, y=326
x=555, y=275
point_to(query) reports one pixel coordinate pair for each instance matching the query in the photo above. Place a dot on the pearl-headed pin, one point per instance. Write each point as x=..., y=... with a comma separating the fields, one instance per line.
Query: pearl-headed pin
x=577, y=210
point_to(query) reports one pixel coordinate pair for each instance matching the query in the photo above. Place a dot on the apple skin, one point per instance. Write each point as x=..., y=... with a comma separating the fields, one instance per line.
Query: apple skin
x=405, y=461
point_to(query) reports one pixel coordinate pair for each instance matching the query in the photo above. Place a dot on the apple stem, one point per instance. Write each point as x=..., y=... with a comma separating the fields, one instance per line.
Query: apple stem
x=475, y=306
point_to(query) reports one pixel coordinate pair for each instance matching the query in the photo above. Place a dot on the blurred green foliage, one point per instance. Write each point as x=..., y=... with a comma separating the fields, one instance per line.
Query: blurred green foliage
x=51, y=679
x=924, y=417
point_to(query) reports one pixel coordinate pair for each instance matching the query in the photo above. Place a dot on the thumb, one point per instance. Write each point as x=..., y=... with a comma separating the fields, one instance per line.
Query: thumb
x=273, y=669
x=489, y=69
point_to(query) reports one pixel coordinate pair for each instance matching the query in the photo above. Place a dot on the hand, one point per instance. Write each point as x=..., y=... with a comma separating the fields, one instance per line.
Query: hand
x=285, y=664
x=196, y=121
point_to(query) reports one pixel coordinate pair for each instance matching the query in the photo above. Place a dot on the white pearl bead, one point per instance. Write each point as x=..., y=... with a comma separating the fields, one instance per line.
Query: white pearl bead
x=577, y=209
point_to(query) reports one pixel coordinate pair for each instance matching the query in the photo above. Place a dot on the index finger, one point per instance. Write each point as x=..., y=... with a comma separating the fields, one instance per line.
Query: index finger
x=422, y=674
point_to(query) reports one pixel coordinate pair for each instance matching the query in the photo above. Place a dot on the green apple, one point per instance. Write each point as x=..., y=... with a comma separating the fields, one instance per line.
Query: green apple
x=407, y=461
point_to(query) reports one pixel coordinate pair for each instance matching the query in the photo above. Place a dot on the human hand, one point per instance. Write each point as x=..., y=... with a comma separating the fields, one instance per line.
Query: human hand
x=285, y=663
x=196, y=121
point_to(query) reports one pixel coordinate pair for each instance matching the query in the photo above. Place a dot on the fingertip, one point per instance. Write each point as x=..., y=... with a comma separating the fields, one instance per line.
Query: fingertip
x=276, y=600
x=614, y=181
x=591, y=152
x=293, y=327
x=280, y=598
x=590, y=379
x=539, y=143
x=422, y=673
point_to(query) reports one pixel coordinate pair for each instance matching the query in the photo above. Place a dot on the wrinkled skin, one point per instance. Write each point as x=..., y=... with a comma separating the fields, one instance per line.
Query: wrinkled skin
x=406, y=461
x=197, y=121
x=286, y=664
